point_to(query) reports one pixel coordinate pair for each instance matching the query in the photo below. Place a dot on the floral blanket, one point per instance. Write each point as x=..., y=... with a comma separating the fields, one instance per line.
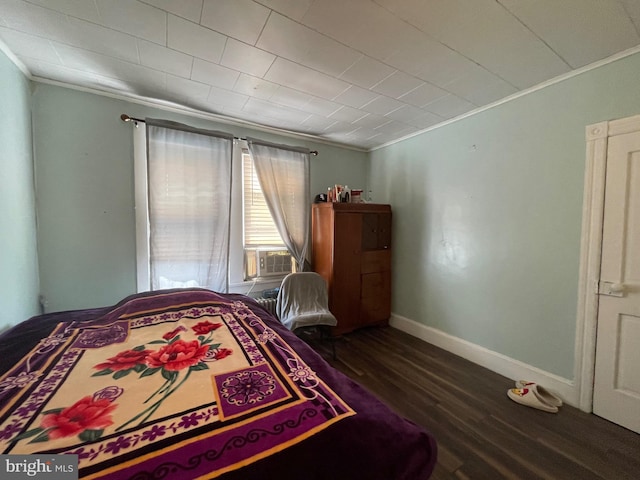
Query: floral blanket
x=172, y=384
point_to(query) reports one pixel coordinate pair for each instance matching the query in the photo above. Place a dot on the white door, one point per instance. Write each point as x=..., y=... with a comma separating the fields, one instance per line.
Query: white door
x=616, y=394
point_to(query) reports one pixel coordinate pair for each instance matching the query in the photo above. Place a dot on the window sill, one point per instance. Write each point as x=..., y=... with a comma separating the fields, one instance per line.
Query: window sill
x=254, y=289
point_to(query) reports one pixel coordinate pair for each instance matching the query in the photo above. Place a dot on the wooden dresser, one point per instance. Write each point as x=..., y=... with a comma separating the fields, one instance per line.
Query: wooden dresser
x=352, y=251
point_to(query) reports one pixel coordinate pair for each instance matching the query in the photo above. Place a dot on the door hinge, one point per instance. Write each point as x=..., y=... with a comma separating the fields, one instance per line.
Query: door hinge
x=612, y=289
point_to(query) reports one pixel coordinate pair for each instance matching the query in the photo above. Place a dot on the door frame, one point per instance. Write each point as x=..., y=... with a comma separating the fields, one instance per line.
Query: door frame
x=597, y=139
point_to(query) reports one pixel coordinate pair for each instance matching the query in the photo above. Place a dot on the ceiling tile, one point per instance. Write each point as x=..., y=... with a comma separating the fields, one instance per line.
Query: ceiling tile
x=406, y=113
x=363, y=132
x=361, y=24
x=294, y=9
x=187, y=88
x=355, y=97
x=487, y=34
x=96, y=38
x=33, y=19
x=290, y=98
x=23, y=44
x=425, y=121
x=449, y=106
x=424, y=94
x=367, y=72
x=425, y=58
x=187, y=92
x=393, y=5
x=568, y=26
x=382, y=105
x=225, y=98
x=340, y=127
x=479, y=85
x=371, y=121
x=76, y=8
x=103, y=65
x=213, y=74
x=397, y=85
x=489, y=93
x=305, y=79
x=164, y=59
x=195, y=40
x=245, y=58
x=241, y=115
x=300, y=44
x=353, y=135
x=320, y=106
x=632, y=7
x=348, y=114
x=317, y=124
x=255, y=87
x=189, y=9
x=134, y=18
x=396, y=128
x=263, y=107
x=69, y=75
x=338, y=19
x=240, y=19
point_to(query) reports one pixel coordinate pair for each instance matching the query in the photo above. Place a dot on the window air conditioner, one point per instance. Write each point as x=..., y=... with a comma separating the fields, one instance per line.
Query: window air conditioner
x=274, y=262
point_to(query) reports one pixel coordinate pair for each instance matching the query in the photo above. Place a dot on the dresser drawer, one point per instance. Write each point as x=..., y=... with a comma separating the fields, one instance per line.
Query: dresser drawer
x=375, y=301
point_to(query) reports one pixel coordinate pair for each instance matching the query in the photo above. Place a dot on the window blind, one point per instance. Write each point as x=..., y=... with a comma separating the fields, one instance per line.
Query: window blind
x=259, y=229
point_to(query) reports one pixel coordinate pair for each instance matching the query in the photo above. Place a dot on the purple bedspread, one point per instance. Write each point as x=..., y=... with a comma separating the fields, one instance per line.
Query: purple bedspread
x=182, y=384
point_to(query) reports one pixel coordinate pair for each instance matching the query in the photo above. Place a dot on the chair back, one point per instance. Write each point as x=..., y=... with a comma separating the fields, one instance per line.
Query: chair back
x=303, y=301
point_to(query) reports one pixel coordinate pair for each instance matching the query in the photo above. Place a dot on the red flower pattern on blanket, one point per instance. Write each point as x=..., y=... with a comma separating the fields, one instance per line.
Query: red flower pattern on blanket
x=178, y=355
x=85, y=414
x=222, y=353
x=175, y=356
x=173, y=333
x=203, y=328
x=87, y=418
x=124, y=360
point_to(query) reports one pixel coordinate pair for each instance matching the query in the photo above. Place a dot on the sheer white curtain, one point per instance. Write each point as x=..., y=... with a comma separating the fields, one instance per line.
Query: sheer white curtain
x=283, y=173
x=189, y=184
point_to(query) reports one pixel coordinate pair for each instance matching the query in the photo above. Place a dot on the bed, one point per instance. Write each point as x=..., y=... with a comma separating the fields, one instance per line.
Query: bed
x=189, y=383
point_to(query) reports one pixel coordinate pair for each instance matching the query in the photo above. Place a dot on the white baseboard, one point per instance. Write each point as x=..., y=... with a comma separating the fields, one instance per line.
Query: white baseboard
x=494, y=361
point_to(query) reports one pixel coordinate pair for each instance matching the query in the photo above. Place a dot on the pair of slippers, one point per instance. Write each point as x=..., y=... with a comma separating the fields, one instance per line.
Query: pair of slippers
x=533, y=395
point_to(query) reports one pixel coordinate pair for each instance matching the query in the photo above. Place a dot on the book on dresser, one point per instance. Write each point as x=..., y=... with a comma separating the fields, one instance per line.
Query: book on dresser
x=351, y=249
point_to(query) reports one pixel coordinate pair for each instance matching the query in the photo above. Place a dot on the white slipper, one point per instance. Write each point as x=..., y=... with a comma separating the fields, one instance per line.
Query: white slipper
x=526, y=396
x=544, y=394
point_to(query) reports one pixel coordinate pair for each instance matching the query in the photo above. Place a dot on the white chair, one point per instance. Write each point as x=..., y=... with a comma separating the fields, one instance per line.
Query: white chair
x=303, y=305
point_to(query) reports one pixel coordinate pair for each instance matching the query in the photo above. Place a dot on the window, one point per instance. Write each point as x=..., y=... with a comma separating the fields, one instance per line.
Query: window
x=255, y=249
x=183, y=199
x=265, y=254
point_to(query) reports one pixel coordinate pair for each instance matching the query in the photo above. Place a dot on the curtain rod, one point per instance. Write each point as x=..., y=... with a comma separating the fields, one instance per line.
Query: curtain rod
x=126, y=118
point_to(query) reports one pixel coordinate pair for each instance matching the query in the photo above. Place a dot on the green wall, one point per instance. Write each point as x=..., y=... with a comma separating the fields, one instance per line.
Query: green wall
x=488, y=213
x=18, y=252
x=84, y=160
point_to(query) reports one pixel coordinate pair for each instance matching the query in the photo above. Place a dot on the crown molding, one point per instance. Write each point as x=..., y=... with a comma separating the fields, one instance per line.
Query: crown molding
x=560, y=78
x=15, y=60
x=192, y=112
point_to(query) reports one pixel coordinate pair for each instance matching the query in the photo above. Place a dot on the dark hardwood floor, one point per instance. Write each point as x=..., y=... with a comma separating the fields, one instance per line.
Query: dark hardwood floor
x=481, y=433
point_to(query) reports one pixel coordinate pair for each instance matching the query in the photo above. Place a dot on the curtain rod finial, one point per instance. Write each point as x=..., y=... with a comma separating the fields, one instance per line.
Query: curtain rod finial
x=125, y=118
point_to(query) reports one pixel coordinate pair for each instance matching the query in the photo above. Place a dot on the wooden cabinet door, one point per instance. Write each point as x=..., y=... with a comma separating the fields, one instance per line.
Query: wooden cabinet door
x=376, y=231
x=384, y=231
x=369, y=231
x=345, y=289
